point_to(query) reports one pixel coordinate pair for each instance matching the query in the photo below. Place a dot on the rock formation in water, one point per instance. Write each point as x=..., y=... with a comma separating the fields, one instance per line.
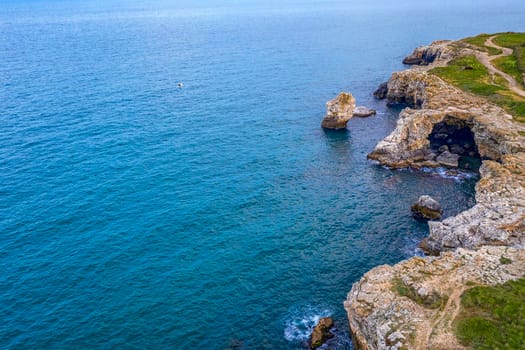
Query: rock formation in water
x=427, y=208
x=321, y=332
x=339, y=111
x=412, y=305
x=363, y=112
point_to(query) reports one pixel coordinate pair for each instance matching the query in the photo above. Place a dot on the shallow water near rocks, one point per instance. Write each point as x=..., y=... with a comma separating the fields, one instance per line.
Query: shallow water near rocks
x=135, y=213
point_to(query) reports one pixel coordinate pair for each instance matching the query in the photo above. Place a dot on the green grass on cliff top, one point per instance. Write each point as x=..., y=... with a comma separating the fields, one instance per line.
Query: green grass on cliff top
x=510, y=40
x=470, y=75
x=479, y=42
x=509, y=65
x=493, y=317
x=514, y=64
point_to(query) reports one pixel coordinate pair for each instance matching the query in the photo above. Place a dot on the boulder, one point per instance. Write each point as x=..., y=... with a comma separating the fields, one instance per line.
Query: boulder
x=381, y=91
x=339, y=111
x=362, y=112
x=448, y=159
x=321, y=332
x=427, y=208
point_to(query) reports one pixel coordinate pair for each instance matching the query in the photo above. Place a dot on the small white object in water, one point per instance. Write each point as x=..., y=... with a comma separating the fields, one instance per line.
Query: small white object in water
x=180, y=85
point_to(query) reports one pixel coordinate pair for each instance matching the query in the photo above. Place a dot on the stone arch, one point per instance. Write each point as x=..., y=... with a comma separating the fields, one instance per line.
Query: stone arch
x=454, y=142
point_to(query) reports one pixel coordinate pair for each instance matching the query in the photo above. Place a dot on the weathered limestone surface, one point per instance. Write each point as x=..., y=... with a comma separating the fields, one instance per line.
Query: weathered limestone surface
x=434, y=101
x=339, y=111
x=380, y=318
x=425, y=55
x=500, y=194
x=498, y=218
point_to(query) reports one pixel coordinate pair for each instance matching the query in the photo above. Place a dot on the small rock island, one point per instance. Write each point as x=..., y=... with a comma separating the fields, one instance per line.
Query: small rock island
x=465, y=109
x=341, y=109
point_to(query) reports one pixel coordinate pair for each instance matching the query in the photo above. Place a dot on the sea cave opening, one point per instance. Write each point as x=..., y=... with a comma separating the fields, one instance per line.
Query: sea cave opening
x=452, y=140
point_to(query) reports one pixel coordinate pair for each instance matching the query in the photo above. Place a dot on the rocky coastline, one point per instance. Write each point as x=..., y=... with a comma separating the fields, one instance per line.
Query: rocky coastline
x=412, y=305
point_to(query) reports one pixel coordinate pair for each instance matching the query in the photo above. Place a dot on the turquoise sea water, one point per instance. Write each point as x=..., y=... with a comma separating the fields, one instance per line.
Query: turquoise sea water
x=138, y=215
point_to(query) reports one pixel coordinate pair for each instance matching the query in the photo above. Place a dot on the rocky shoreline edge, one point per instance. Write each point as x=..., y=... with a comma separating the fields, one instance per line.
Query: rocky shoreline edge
x=413, y=304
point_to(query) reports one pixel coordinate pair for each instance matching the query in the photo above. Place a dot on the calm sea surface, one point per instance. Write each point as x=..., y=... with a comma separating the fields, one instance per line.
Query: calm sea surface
x=138, y=215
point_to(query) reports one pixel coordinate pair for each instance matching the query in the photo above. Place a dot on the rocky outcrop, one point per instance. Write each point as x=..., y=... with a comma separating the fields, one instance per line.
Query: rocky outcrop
x=433, y=101
x=339, y=111
x=427, y=208
x=425, y=55
x=363, y=112
x=403, y=89
x=413, y=304
x=321, y=332
x=500, y=195
x=498, y=218
x=381, y=91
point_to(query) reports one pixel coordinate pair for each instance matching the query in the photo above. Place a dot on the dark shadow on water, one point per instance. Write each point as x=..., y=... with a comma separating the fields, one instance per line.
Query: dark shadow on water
x=396, y=107
x=337, y=135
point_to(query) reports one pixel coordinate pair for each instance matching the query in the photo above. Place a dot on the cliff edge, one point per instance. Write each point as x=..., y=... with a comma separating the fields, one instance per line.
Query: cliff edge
x=413, y=305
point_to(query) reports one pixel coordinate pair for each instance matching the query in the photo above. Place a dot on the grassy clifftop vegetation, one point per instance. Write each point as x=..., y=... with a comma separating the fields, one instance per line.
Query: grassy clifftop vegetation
x=493, y=317
x=470, y=75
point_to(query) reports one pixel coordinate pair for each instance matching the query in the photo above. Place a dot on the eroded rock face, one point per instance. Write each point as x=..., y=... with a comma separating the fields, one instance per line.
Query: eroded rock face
x=425, y=55
x=427, y=208
x=339, y=111
x=498, y=218
x=412, y=305
x=500, y=195
x=381, y=91
x=403, y=89
x=434, y=102
x=321, y=332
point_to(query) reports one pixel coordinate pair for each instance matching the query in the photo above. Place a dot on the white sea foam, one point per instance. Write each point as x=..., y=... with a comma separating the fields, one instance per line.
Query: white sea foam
x=458, y=175
x=300, y=323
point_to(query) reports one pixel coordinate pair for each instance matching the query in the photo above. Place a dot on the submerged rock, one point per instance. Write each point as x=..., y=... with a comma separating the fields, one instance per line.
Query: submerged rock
x=339, y=111
x=362, y=112
x=321, y=332
x=427, y=208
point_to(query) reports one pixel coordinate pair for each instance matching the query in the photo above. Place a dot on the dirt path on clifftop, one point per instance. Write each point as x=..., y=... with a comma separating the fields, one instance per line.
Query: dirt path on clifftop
x=440, y=334
x=486, y=60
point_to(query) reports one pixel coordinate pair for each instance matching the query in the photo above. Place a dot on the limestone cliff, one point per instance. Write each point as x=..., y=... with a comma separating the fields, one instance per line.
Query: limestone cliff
x=500, y=194
x=425, y=55
x=412, y=305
